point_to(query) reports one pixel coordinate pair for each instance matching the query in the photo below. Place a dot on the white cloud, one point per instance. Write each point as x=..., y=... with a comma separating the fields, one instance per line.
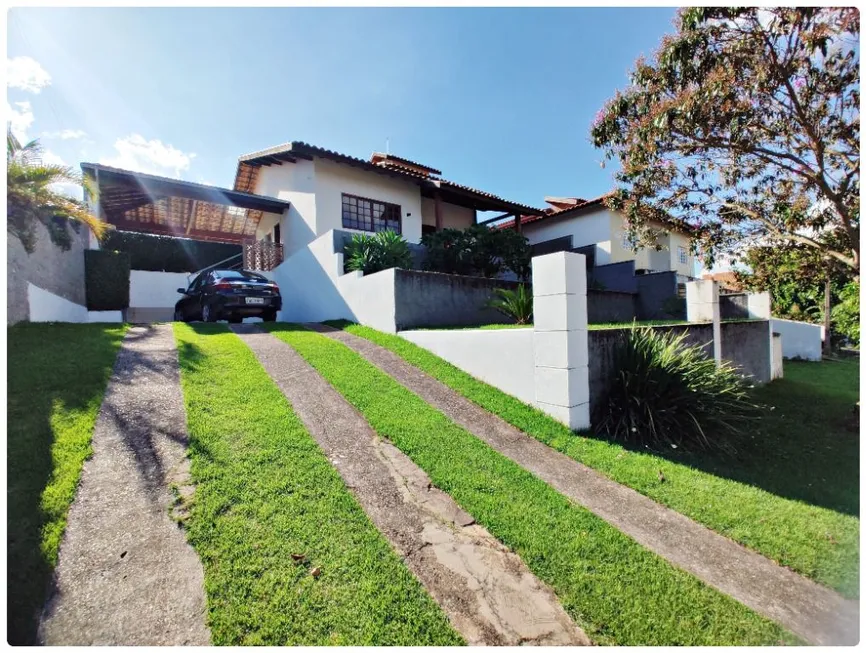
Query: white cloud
x=65, y=134
x=19, y=118
x=26, y=73
x=50, y=158
x=149, y=156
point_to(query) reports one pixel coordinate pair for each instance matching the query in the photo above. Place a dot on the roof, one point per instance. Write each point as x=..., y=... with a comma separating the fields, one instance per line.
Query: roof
x=579, y=205
x=553, y=213
x=136, y=201
x=389, y=159
x=397, y=167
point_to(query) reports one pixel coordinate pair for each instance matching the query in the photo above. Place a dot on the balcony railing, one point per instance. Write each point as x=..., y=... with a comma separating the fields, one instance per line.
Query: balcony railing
x=261, y=255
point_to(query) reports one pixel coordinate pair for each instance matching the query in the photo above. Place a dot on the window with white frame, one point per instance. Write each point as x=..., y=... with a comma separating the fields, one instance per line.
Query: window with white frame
x=683, y=255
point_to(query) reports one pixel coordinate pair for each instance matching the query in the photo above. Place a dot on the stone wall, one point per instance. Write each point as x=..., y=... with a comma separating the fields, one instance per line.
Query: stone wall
x=49, y=268
x=605, y=306
x=431, y=299
x=734, y=306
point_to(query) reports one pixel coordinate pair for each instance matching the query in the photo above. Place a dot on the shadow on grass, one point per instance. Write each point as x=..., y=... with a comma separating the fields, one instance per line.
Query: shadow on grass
x=803, y=448
x=57, y=374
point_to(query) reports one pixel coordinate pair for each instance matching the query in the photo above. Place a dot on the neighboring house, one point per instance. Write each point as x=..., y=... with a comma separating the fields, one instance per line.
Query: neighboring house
x=574, y=224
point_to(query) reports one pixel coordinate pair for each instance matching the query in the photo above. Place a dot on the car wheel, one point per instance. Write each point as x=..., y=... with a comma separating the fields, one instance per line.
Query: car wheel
x=207, y=313
x=270, y=316
x=178, y=315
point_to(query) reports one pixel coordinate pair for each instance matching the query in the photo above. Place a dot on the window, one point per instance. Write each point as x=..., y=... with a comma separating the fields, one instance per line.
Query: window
x=626, y=243
x=370, y=215
x=683, y=255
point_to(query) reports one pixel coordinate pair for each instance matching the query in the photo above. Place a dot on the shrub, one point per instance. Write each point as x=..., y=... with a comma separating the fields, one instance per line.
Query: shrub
x=106, y=280
x=381, y=251
x=667, y=393
x=516, y=304
x=167, y=254
x=477, y=251
x=846, y=314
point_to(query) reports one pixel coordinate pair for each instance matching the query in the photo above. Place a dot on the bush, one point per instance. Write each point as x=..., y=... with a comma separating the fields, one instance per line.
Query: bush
x=669, y=394
x=106, y=279
x=167, y=254
x=846, y=314
x=477, y=251
x=516, y=304
x=381, y=251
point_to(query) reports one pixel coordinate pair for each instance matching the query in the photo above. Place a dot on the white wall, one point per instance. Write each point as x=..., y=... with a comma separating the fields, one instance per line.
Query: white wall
x=334, y=179
x=453, y=216
x=295, y=183
x=799, y=339
x=155, y=289
x=588, y=228
x=104, y=316
x=315, y=289
x=504, y=358
x=48, y=307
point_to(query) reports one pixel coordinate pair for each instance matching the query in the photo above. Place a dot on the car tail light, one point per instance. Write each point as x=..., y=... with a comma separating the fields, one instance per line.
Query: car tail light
x=223, y=285
x=274, y=286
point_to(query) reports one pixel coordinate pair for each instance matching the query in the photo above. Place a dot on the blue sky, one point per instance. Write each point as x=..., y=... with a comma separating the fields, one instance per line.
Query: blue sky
x=499, y=99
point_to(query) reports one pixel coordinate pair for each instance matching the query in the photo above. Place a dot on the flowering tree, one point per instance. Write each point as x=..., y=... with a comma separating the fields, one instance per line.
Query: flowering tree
x=746, y=127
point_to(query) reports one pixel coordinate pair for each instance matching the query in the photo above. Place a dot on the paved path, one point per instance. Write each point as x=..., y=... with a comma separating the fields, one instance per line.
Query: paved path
x=488, y=593
x=126, y=575
x=813, y=612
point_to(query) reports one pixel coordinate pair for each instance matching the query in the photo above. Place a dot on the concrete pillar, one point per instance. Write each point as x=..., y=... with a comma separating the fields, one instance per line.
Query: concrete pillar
x=758, y=304
x=702, y=305
x=560, y=337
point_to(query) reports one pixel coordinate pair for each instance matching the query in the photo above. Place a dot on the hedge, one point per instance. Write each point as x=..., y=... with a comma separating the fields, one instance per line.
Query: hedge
x=168, y=254
x=106, y=279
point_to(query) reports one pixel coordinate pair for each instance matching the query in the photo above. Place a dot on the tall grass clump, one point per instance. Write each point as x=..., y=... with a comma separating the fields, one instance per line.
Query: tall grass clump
x=666, y=393
x=381, y=251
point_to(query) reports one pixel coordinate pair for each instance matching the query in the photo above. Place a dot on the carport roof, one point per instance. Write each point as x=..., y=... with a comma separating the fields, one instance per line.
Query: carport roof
x=136, y=201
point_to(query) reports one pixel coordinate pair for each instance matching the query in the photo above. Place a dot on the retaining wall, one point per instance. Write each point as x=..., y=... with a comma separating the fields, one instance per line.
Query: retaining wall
x=429, y=299
x=609, y=306
x=49, y=269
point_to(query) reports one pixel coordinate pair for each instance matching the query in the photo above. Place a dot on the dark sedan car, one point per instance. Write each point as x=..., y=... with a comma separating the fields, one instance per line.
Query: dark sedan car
x=228, y=295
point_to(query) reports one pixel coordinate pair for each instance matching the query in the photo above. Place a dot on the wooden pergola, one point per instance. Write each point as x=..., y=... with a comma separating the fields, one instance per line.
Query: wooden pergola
x=134, y=201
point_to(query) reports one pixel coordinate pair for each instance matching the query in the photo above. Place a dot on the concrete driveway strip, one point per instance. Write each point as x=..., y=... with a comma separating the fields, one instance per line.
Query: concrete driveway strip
x=126, y=575
x=487, y=592
x=812, y=611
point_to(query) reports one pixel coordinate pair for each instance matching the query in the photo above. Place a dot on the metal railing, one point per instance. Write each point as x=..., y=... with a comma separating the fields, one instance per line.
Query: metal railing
x=224, y=264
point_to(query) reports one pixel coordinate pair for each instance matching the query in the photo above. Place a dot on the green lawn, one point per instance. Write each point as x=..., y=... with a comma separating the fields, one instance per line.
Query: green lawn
x=57, y=374
x=790, y=493
x=619, y=592
x=264, y=490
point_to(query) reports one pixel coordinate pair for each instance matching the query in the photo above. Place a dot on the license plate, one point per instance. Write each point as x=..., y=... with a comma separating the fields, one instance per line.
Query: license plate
x=255, y=300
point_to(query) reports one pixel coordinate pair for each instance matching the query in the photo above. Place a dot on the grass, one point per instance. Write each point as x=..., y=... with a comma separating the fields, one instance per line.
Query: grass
x=791, y=492
x=619, y=592
x=264, y=490
x=57, y=375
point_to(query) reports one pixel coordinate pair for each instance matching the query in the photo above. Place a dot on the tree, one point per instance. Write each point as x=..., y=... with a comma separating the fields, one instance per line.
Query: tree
x=745, y=126
x=477, y=251
x=30, y=198
x=804, y=284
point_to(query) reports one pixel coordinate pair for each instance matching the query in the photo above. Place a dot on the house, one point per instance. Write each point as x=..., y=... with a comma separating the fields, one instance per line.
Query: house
x=588, y=226
x=327, y=191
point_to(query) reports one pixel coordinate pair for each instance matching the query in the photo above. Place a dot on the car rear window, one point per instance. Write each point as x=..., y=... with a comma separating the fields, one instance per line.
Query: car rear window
x=239, y=274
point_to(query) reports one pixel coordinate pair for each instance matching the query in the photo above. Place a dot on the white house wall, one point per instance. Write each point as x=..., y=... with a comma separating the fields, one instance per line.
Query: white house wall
x=590, y=228
x=333, y=179
x=453, y=216
x=295, y=183
x=480, y=352
x=315, y=289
